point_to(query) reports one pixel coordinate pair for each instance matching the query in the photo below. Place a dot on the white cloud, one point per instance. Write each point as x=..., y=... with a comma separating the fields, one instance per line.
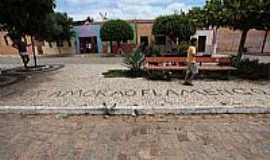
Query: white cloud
x=78, y=1
x=125, y=9
x=146, y=2
x=177, y=7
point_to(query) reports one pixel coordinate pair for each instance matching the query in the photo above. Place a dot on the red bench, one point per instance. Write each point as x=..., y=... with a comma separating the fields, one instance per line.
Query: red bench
x=179, y=64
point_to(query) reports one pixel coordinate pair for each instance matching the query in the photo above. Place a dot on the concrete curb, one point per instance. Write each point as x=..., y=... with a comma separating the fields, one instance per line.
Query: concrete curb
x=134, y=110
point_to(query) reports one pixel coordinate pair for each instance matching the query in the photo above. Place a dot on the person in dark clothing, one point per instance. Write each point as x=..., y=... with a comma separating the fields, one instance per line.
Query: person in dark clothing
x=22, y=48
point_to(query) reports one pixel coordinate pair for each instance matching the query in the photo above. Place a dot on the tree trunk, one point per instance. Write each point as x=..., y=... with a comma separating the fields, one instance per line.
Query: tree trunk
x=264, y=41
x=111, y=45
x=118, y=46
x=242, y=43
x=59, y=46
x=34, y=51
x=214, y=43
x=59, y=50
x=6, y=40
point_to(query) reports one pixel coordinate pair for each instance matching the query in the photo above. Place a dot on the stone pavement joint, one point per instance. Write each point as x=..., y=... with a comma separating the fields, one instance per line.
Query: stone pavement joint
x=135, y=110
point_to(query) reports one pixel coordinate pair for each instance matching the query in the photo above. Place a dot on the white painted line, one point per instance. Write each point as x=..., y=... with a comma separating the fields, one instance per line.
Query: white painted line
x=134, y=110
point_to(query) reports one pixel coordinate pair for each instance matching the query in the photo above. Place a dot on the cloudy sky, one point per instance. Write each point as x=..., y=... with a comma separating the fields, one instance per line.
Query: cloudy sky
x=125, y=9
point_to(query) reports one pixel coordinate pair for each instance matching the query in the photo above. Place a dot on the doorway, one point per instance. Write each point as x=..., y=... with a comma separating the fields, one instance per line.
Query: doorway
x=144, y=41
x=202, y=43
x=88, y=45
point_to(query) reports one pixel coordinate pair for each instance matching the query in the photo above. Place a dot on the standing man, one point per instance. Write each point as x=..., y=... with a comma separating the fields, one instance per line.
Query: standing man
x=192, y=68
x=22, y=48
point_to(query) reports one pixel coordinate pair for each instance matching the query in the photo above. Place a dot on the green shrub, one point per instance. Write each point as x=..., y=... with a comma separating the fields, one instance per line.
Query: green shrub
x=135, y=61
x=182, y=49
x=252, y=69
x=152, y=52
x=159, y=75
x=123, y=73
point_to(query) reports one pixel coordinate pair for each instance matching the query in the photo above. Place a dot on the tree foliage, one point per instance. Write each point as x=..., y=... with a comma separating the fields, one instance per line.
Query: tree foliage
x=197, y=14
x=237, y=14
x=58, y=27
x=35, y=18
x=116, y=30
x=25, y=16
x=247, y=14
x=215, y=13
x=211, y=14
x=175, y=26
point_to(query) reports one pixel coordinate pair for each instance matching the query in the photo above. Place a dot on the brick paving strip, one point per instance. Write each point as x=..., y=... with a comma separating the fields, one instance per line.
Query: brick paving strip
x=57, y=137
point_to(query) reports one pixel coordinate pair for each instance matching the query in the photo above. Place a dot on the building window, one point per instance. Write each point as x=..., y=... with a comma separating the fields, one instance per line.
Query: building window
x=202, y=43
x=144, y=40
x=160, y=40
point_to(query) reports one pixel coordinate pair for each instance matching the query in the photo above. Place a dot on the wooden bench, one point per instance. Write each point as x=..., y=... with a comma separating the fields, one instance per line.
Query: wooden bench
x=166, y=64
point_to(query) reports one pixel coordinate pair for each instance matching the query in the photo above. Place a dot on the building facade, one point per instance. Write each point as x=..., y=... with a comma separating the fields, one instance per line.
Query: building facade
x=143, y=32
x=88, y=40
x=228, y=41
x=205, y=41
x=5, y=45
x=41, y=47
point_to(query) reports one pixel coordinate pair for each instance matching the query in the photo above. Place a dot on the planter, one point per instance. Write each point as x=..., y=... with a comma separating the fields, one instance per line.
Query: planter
x=32, y=69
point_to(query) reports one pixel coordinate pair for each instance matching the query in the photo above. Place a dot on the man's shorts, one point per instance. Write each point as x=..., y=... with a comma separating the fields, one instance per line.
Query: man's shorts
x=193, y=68
x=23, y=53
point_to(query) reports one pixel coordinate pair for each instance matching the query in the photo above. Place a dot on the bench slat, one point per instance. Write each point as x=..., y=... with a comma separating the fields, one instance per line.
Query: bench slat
x=199, y=59
x=179, y=63
x=204, y=68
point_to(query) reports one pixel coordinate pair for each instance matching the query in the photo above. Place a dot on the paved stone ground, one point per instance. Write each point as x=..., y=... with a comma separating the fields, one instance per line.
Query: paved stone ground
x=81, y=83
x=84, y=85
x=223, y=137
x=76, y=59
x=91, y=59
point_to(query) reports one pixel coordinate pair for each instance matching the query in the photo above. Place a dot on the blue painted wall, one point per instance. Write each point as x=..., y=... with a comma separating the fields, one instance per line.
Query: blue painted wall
x=88, y=31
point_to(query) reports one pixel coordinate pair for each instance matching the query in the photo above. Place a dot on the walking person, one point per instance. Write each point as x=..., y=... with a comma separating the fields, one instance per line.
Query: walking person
x=22, y=48
x=192, y=67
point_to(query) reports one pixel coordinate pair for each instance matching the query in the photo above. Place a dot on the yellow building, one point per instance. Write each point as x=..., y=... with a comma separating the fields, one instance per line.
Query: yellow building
x=143, y=31
x=42, y=48
x=5, y=45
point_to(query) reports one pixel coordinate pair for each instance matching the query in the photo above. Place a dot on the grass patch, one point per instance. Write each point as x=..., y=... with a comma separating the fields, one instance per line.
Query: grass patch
x=123, y=74
x=252, y=70
x=164, y=76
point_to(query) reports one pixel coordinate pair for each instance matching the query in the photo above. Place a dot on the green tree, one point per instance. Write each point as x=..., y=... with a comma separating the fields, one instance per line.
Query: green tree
x=265, y=23
x=176, y=26
x=214, y=13
x=25, y=17
x=116, y=30
x=264, y=39
x=197, y=14
x=58, y=28
x=237, y=14
x=210, y=15
x=245, y=15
